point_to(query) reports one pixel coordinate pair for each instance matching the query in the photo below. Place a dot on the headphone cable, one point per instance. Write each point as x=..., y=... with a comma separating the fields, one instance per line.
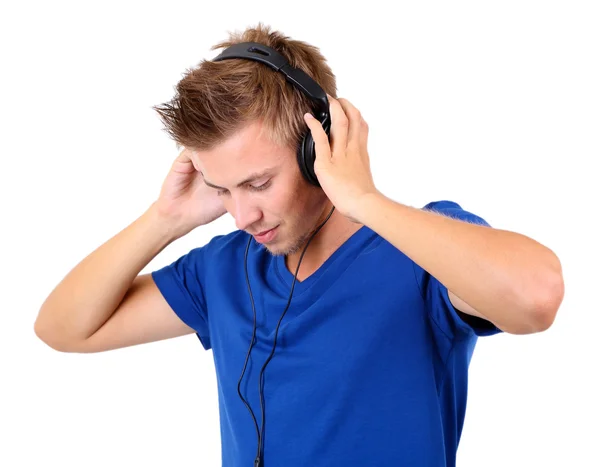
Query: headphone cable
x=260, y=434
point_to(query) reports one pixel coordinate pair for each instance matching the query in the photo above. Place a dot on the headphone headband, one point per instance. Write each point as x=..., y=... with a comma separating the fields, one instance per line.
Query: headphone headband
x=272, y=58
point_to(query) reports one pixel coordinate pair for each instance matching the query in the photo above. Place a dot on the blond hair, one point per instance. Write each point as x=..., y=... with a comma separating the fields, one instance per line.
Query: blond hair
x=217, y=99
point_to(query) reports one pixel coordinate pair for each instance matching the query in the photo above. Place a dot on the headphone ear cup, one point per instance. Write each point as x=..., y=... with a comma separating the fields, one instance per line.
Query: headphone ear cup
x=306, y=159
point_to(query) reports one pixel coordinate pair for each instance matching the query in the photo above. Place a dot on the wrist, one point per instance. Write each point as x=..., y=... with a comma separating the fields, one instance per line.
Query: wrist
x=166, y=226
x=366, y=205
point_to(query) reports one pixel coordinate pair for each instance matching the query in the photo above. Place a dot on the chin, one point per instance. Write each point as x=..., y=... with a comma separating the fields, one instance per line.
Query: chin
x=280, y=248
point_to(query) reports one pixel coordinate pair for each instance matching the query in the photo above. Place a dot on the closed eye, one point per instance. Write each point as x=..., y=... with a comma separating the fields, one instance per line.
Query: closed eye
x=264, y=186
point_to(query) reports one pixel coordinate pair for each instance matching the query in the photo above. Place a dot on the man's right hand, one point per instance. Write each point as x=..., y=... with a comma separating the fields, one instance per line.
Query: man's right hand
x=185, y=200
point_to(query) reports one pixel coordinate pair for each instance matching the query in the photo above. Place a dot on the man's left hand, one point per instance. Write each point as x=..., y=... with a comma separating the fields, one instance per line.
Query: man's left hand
x=343, y=168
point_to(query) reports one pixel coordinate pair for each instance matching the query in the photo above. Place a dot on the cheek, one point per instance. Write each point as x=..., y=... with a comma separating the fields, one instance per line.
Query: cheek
x=227, y=203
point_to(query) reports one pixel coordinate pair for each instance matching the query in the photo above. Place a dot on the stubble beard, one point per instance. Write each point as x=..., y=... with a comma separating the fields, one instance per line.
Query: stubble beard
x=296, y=246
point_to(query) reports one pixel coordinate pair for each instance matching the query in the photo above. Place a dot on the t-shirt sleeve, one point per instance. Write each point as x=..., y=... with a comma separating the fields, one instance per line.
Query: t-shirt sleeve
x=181, y=284
x=449, y=320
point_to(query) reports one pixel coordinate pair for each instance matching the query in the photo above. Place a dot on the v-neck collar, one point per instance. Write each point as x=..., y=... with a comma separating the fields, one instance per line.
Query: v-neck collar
x=346, y=252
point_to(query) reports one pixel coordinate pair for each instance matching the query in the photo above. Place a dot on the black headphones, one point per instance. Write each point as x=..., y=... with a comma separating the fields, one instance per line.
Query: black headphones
x=306, y=160
x=261, y=53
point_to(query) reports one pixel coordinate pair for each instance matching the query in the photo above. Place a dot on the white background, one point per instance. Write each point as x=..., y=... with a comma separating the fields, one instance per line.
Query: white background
x=495, y=105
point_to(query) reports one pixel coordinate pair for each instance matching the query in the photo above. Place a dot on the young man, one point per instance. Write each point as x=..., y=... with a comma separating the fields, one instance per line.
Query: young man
x=346, y=319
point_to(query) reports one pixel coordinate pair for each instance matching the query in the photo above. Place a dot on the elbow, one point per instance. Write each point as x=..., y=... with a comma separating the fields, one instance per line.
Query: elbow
x=49, y=338
x=538, y=308
x=44, y=337
x=40, y=332
x=544, y=305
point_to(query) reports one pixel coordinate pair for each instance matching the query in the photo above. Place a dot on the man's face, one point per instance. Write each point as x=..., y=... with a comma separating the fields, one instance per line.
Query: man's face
x=279, y=198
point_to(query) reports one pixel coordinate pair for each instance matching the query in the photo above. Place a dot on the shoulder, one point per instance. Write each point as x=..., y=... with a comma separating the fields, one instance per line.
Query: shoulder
x=227, y=245
x=454, y=210
x=227, y=241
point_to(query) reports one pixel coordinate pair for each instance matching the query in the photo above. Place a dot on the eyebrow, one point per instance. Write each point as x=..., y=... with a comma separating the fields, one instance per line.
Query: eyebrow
x=251, y=178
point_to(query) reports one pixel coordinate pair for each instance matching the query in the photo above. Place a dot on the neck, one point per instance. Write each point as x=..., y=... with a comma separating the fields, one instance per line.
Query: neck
x=331, y=236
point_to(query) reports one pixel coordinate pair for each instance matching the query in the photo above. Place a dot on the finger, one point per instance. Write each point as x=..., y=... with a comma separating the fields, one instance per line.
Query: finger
x=322, y=148
x=183, y=162
x=364, y=133
x=183, y=156
x=354, y=119
x=193, y=156
x=339, y=127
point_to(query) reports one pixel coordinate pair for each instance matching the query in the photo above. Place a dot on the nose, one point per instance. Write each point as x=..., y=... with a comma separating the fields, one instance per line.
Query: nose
x=245, y=213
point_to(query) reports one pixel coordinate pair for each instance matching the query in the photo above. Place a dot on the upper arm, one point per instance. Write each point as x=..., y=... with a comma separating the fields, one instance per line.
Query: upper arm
x=469, y=315
x=143, y=316
x=463, y=306
x=450, y=313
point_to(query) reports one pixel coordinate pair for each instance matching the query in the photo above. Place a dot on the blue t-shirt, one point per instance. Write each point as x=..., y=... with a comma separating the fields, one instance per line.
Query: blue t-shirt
x=371, y=362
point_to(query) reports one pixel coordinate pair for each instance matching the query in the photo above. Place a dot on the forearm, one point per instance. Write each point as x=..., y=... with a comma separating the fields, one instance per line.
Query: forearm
x=90, y=293
x=505, y=276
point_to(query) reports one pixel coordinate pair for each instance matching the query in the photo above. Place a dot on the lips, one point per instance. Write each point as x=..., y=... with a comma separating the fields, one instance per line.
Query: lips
x=263, y=232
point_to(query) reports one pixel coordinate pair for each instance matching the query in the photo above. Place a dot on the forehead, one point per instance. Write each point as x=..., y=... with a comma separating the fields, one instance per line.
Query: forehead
x=248, y=150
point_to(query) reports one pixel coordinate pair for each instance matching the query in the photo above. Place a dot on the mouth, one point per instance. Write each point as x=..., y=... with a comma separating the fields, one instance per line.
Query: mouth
x=266, y=235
